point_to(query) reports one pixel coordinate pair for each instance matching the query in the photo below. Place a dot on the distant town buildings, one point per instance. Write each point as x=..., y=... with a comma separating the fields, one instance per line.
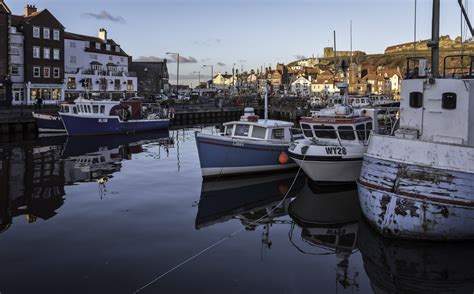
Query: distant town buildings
x=5, y=78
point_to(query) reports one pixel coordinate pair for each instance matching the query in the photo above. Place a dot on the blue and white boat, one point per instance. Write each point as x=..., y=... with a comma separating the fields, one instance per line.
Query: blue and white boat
x=251, y=145
x=109, y=117
x=52, y=123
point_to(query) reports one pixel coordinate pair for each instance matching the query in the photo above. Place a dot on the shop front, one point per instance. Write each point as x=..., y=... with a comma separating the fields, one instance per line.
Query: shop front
x=49, y=93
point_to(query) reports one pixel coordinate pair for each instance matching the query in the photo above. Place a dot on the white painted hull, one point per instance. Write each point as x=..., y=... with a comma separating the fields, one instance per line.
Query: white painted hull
x=430, y=196
x=331, y=171
x=228, y=171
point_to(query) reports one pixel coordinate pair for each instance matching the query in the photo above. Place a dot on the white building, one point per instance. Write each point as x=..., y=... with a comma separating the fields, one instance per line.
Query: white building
x=96, y=66
x=17, y=66
x=301, y=86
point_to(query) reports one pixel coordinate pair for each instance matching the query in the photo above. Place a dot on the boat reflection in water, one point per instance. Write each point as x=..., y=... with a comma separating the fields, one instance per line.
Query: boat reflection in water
x=329, y=217
x=255, y=201
x=402, y=266
x=33, y=175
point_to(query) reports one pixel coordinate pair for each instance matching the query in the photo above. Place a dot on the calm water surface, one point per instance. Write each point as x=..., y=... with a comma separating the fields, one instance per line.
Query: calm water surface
x=111, y=214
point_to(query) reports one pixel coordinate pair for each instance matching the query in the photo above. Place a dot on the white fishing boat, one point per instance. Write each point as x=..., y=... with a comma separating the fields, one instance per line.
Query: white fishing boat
x=250, y=145
x=335, y=140
x=419, y=183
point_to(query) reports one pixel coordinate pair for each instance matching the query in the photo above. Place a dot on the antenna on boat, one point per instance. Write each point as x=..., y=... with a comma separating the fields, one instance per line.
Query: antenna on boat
x=466, y=17
x=265, y=94
x=351, y=41
x=414, y=32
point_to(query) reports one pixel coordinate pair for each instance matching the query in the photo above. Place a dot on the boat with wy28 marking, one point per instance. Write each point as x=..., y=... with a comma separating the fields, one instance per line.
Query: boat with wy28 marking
x=419, y=183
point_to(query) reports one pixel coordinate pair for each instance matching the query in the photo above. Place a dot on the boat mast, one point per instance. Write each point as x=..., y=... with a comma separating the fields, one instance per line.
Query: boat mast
x=466, y=17
x=266, y=102
x=434, y=43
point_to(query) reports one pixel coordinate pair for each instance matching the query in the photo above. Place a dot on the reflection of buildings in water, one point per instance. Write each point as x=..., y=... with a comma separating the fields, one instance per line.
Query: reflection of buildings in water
x=329, y=217
x=402, y=266
x=247, y=199
x=33, y=174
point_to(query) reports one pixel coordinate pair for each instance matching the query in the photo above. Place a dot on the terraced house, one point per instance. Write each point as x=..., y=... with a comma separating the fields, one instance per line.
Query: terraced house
x=5, y=81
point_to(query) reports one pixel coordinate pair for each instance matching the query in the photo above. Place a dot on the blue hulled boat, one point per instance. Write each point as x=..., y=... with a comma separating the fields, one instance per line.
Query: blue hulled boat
x=250, y=145
x=110, y=117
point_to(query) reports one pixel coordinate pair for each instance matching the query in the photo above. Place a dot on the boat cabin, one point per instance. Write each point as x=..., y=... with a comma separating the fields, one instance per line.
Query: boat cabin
x=261, y=130
x=91, y=107
x=339, y=125
x=67, y=108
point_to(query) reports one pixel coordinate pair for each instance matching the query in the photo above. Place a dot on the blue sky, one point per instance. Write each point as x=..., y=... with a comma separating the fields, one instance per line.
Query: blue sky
x=250, y=33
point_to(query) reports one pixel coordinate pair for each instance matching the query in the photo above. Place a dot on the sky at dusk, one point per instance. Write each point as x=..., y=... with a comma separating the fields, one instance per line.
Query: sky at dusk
x=249, y=33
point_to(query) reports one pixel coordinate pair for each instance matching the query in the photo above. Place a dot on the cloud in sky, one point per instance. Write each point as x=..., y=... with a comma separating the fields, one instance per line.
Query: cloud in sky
x=104, y=15
x=206, y=60
x=297, y=56
x=182, y=59
x=221, y=64
x=242, y=60
x=149, y=58
x=208, y=42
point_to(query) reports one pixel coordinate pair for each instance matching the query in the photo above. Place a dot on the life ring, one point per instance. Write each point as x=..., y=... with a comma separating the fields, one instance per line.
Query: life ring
x=123, y=114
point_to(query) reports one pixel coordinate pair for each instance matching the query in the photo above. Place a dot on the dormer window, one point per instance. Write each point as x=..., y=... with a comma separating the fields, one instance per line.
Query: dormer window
x=416, y=99
x=117, y=48
x=449, y=100
x=88, y=45
x=97, y=45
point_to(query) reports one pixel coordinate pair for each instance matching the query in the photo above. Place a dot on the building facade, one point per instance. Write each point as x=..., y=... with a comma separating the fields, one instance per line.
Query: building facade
x=39, y=37
x=153, y=77
x=5, y=81
x=97, y=67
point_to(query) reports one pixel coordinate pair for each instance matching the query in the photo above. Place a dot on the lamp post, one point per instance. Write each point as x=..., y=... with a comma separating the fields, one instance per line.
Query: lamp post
x=212, y=72
x=177, y=70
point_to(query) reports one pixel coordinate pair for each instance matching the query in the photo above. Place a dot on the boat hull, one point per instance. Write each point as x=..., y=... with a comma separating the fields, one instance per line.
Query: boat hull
x=47, y=123
x=222, y=156
x=77, y=125
x=417, y=202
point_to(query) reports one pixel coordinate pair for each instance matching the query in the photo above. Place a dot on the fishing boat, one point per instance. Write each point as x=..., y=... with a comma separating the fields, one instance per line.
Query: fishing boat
x=250, y=145
x=334, y=143
x=52, y=123
x=419, y=183
x=91, y=117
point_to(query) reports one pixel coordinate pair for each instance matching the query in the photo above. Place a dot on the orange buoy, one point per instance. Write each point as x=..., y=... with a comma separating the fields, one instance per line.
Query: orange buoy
x=283, y=158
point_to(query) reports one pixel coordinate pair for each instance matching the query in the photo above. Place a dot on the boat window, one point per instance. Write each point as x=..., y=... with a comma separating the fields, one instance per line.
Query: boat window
x=242, y=130
x=368, y=129
x=325, y=132
x=89, y=109
x=357, y=100
x=307, y=130
x=102, y=108
x=360, y=130
x=259, y=132
x=95, y=108
x=346, y=133
x=449, y=100
x=416, y=99
x=278, y=134
x=74, y=109
x=229, y=129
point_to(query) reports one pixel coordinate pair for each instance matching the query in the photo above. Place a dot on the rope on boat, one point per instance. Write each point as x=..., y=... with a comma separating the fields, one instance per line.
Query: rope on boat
x=223, y=239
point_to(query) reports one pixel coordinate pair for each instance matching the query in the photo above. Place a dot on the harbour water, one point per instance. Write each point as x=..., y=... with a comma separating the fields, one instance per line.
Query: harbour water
x=112, y=214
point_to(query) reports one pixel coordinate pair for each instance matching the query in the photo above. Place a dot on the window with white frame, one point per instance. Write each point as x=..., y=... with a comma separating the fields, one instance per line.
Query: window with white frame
x=15, y=71
x=46, y=53
x=97, y=45
x=72, y=59
x=36, y=32
x=36, y=52
x=93, y=56
x=107, y=46
x=46, y=33
x=56, y=35
x=117, y=48
x=46, y=72
x=88, y=44
x=56, y=54
x=36, y=71
x=72, y=44
x=56, y=72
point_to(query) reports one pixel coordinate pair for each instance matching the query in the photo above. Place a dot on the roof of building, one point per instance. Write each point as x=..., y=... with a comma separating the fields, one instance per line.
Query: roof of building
x=79, y=37
x=21, y=19
x=4, y=8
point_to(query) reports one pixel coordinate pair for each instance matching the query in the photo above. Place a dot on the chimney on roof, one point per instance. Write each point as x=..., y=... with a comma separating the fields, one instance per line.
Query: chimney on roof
x=103, y=34
x=29, y=10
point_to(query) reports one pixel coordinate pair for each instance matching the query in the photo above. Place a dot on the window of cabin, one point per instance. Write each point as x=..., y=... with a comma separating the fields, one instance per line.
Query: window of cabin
x=346, y=133
x=229, y=129
x=307, y=131
x=95, y=108
x=368, y=129
x=278, y=134
x=242, y=130
x=74, y=109
x=259, y=132
x=416, y=99
x=102, y=108
x=325, y=132
x=448, y=100
x=360, y=130
x=36, y=32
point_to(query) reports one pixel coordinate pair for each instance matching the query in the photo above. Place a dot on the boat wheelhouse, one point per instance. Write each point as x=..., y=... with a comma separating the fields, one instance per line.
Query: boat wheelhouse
x=335, y=140
x=251, y=145
x=91, y=117
x=52, y=123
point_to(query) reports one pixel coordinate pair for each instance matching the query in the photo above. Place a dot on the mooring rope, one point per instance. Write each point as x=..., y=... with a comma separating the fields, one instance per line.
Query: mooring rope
x=223, y=239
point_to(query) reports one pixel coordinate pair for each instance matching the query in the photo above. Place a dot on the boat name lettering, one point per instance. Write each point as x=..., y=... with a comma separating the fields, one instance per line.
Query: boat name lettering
x=336, y=150
x=237, y=143
x=102, y=120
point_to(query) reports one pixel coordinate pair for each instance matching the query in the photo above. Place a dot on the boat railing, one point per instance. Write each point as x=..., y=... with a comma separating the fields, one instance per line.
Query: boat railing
x=458, y=66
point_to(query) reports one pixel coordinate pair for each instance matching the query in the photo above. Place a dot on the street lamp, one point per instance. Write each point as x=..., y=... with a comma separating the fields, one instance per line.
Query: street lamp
x=177, y=70
x=212, y=72
x=233, y=77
